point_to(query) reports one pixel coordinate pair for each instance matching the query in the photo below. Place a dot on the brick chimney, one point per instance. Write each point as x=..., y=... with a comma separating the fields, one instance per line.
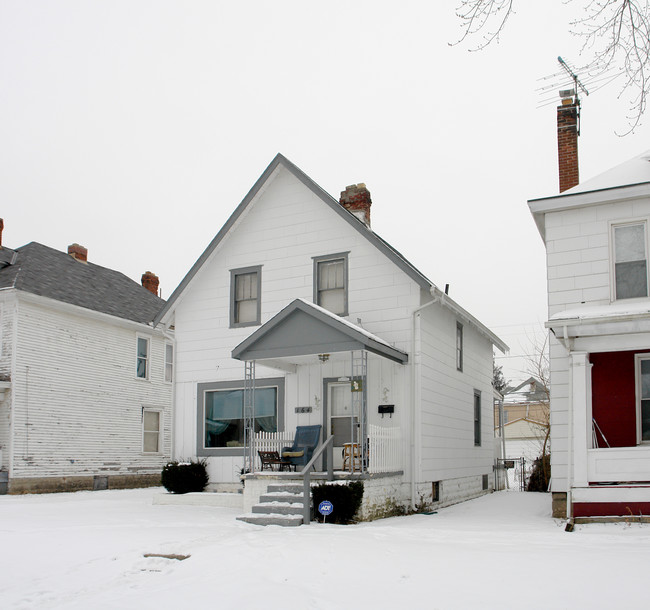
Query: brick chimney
x=568, y=115
x=356, y=199
x=151, y=282
x=2, y=226
x=78, y=252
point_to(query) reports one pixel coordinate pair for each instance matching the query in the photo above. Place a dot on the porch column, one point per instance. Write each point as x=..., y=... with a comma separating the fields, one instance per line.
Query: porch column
x=580, y=384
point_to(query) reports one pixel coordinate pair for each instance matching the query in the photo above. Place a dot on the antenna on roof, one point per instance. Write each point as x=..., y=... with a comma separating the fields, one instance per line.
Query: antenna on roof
x=574, y=76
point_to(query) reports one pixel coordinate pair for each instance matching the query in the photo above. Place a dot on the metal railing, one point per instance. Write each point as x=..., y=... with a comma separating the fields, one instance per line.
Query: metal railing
x=305, y=473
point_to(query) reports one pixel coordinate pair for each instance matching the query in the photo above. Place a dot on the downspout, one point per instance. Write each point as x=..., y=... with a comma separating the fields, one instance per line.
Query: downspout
x=416, y=388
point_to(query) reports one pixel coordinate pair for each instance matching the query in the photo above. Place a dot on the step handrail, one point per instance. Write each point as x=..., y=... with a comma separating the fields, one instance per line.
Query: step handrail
x=305, y=473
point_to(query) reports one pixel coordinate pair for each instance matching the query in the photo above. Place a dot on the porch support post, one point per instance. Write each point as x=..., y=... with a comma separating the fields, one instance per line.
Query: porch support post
x=580, y=397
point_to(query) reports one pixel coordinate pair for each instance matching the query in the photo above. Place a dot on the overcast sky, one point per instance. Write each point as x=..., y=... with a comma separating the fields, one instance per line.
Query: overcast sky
x=136, y=127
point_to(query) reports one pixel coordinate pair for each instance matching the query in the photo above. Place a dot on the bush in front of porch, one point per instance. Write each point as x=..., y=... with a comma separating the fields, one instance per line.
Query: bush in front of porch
x=184, y=477
x=345, y=498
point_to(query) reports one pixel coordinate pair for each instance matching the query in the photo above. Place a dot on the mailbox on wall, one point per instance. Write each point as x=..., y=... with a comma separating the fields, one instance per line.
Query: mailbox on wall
x=386, y=409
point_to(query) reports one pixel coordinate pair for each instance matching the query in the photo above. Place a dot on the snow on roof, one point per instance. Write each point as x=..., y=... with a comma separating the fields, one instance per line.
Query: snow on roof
x=634, y=171
x=615, y=310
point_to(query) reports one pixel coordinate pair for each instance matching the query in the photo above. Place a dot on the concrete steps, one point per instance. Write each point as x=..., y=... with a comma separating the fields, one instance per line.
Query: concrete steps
x=282, y=504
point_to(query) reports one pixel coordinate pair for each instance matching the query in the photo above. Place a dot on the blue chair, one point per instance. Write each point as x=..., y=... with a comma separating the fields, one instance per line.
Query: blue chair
x=304, y=444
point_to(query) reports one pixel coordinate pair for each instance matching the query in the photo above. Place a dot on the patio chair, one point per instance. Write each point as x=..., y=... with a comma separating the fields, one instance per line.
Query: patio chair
x=304, y=443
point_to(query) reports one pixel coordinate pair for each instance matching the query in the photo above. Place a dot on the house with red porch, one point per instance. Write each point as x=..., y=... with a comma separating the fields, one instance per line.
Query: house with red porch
x=596, y=236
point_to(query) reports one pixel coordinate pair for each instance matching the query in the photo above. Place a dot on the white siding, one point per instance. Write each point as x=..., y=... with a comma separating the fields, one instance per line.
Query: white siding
x=77, y=403
x=578, y=259
x=7, y=319
x=447, y=400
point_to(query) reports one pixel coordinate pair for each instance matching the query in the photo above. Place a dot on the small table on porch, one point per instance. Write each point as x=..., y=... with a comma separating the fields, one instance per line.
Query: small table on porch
x=271, y=459
x=351, y=456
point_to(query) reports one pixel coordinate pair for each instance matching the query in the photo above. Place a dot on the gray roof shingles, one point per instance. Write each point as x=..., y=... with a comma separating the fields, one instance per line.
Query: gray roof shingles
x=49, y=273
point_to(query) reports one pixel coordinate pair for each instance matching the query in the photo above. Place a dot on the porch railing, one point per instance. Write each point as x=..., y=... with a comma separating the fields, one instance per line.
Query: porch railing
x=385, y=453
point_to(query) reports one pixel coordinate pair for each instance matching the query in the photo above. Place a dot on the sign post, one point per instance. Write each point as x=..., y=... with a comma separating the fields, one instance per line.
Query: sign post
x=325, y=508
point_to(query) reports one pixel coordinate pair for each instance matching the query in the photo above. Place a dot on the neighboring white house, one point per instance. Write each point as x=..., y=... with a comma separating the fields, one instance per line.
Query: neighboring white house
x=85, y=380
x=596, y=237
x=297, y=294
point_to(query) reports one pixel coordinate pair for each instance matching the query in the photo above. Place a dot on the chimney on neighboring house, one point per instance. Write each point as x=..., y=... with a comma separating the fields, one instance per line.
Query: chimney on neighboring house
x=568, y=130
x=356, y=199
x=78, y=252
x=2, y=226
x=151, y=282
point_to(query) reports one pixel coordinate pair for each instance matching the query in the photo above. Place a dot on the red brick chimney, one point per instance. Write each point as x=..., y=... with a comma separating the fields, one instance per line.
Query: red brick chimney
x=78, y=252
x=2, y=226
x=151, y=282
x=568, y=115
x=356, y=199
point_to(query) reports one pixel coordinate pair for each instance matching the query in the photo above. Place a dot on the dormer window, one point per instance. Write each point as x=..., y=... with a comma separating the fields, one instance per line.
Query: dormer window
x=630, y=260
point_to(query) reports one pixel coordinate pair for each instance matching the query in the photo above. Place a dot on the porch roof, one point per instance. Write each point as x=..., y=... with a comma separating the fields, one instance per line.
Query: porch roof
x=303, y=328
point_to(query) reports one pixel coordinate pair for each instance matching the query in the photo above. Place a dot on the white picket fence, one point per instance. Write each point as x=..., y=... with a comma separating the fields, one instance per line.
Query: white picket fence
x=385, y=449
x=271, y=441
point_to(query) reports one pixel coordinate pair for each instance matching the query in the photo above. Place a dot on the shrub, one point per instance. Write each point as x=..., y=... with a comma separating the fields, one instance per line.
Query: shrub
x=184, y=477
x=541, y=474
x=346, y=500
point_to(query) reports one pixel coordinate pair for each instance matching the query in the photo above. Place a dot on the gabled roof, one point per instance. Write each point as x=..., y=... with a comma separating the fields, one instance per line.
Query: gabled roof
x=625, y=181
x=43, y=271
x=302, y=328
x=346, y=216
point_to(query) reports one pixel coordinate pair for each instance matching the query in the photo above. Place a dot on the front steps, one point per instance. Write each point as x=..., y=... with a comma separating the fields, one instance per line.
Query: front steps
x=282, y=504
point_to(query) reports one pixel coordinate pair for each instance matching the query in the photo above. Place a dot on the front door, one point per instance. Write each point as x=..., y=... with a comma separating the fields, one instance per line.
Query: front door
x=341, y=421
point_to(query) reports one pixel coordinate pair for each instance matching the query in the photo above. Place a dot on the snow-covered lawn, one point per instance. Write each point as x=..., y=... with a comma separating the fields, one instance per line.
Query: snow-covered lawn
x=86, y=550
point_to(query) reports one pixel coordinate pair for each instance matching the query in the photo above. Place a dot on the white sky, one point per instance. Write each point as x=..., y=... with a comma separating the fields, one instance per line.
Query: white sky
x=135, y=128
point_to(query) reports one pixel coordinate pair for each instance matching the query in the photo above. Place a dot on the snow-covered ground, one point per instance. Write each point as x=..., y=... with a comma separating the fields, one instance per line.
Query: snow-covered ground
x=86, y=551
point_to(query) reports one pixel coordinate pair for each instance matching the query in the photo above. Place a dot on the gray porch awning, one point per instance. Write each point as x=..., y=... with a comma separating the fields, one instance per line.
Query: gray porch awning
x=303, y=328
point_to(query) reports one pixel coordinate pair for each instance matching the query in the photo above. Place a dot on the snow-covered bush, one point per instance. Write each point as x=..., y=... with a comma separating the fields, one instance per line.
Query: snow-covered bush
x=185, y=477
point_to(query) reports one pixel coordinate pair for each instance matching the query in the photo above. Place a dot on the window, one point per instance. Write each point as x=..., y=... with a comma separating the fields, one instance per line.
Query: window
x=459, y=346
x=221, y=421
x=630, y=262
x=331, y=283
x=151, y=431
x=245, y=301
x=477, y=418
x=643, y=399
x=142, y=359
x=169, y=362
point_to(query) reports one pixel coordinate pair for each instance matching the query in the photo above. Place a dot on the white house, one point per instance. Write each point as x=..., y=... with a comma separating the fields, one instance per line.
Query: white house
x=85, y=380
x=596, y=236
x=298, y=296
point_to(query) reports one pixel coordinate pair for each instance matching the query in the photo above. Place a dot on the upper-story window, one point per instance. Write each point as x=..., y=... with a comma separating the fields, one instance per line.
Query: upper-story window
x=245, y=299
x=169, y=362
x=142, y=358
x=459, y=346
x=630, y=260
x=331, y=283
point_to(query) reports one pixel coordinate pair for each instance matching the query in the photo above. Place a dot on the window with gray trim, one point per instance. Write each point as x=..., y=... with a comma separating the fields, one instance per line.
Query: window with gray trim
x=220, y=414
x=477, y=418
x=459, y=346
x=630, y=260
x=331, y=282
x=245, y=296
x=142, y=358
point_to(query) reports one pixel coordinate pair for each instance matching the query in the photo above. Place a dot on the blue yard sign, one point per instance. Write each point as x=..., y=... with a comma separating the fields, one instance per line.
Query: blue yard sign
x=325, y=508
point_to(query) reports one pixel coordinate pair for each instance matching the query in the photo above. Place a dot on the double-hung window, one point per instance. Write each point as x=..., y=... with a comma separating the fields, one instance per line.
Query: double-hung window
x=151, y=430
x=630, y=260
x=245, y=300
x=169, y=362
x=643, y=399
x=459, y=346
x=221, y=413
x=477, y=418
x=142, y=358
x=331, y=282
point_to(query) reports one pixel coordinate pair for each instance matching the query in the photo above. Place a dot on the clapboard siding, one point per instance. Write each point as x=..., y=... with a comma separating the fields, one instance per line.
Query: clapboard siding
x=447, y=399
x=77, y=403
x=7, y=320
x=579, y=274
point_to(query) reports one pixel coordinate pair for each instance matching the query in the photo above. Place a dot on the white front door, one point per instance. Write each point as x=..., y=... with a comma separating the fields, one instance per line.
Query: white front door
x=341, y=422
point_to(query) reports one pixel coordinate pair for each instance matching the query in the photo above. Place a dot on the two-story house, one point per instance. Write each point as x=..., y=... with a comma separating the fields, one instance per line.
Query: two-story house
x=298, y=296
x=596, y=236
x=85, y=380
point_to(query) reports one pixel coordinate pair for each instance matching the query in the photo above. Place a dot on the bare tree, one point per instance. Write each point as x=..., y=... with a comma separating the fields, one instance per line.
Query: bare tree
x=616, y=36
